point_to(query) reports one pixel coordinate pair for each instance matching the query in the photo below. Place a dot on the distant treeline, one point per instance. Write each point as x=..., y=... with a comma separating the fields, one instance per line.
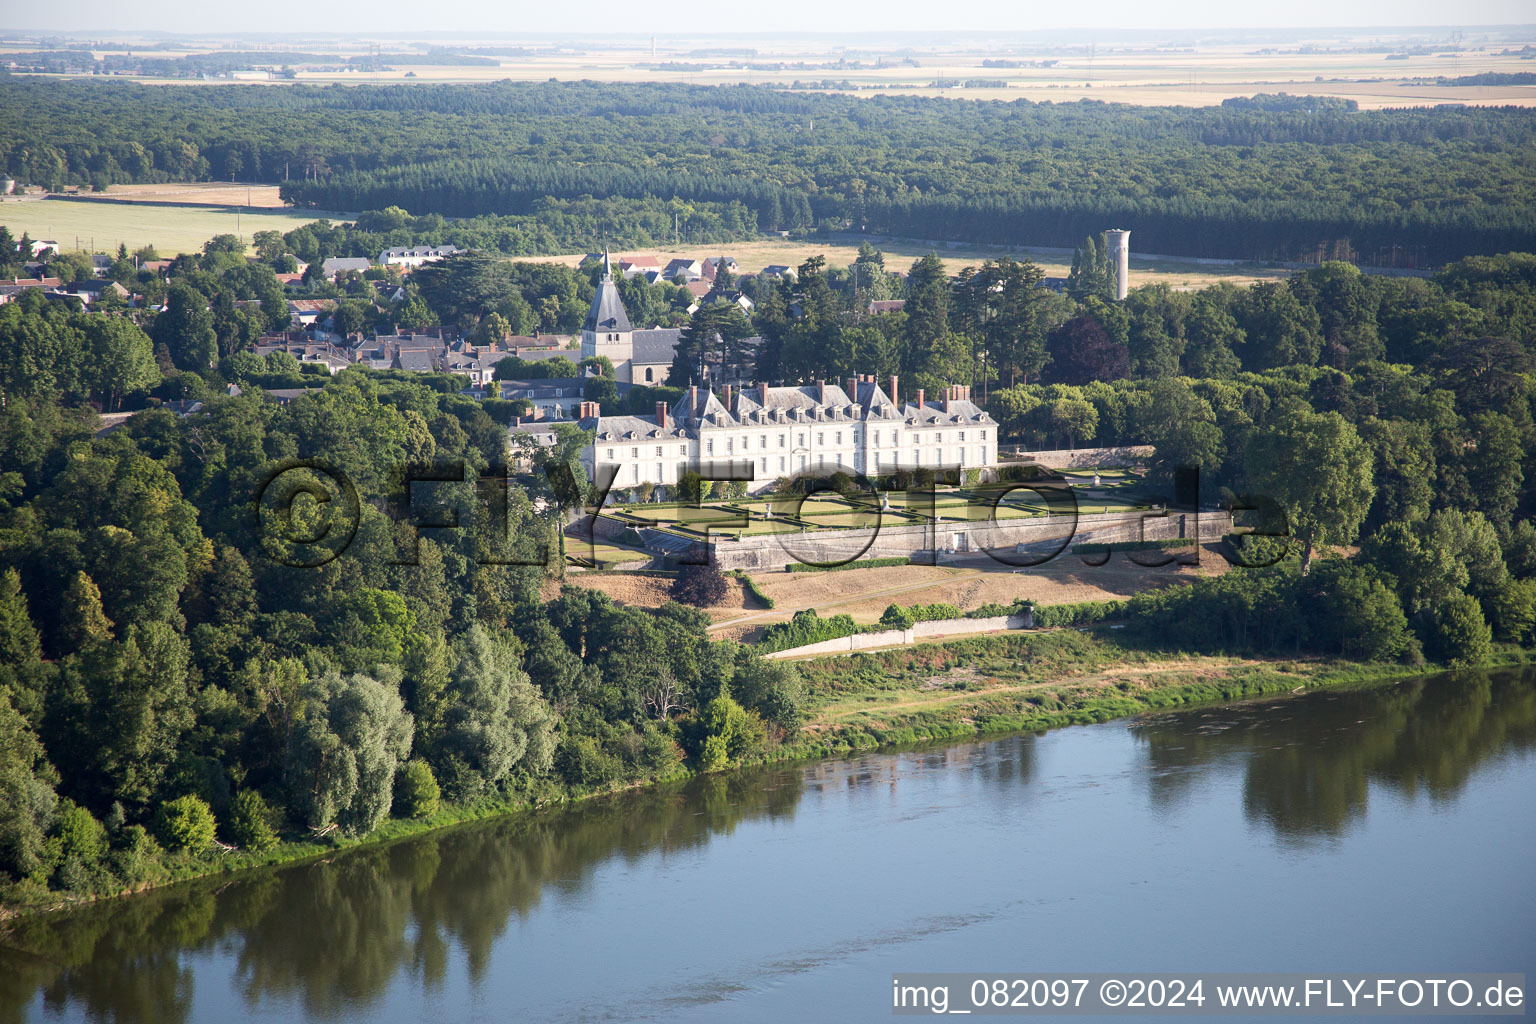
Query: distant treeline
x=1492, y=78
x=1286, y=102
x=225, y=61
x=1250, y=180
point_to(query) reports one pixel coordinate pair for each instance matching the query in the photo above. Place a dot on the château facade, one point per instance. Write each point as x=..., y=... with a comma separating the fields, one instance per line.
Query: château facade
x=768, y=432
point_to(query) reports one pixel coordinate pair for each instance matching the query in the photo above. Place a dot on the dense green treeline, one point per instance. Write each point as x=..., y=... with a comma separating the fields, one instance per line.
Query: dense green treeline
x=177, y=672
x=1242, y=182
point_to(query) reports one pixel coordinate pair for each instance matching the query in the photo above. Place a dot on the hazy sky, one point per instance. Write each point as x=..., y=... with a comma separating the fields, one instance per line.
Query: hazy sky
x=714, y=17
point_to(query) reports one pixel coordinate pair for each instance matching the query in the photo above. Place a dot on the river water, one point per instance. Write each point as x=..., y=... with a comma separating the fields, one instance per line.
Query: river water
x=1380, y=830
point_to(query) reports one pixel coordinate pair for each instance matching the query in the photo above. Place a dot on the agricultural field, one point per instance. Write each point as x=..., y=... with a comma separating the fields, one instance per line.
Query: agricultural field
x=207, y=209
x=101, y=227
x=1190, y=73
x=841, y=250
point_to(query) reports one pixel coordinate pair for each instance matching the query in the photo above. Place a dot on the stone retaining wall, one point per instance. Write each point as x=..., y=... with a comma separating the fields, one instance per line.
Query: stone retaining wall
x=1013, y=543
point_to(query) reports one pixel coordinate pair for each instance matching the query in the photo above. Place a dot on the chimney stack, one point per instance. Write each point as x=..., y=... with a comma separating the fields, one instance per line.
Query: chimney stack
x=821, y=392
x=895, y=399
x=853, y=389
x=920, y=398
x=693, y=400
x=763, y=389
x=661, y=413
x=725, y=396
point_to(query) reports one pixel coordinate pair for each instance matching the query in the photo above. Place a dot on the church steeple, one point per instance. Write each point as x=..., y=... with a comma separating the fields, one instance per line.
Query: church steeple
x=607, y=312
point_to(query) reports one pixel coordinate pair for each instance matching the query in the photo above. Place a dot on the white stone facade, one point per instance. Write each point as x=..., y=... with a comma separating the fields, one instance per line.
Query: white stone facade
x=771, y=432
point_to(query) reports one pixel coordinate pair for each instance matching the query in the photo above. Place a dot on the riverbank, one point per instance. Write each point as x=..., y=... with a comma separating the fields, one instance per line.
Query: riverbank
x=1038, y=680
x=939, y=692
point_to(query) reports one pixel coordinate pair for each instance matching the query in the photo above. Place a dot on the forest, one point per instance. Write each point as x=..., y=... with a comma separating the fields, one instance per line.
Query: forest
x=175, y=680
x=1272, y=179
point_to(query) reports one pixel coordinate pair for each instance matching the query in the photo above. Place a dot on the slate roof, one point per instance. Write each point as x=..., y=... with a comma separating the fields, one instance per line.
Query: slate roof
x=417, y=360
x=607, y=312
x=617, y=429
x=336, y=264
x=421, y=251
x=655, y=345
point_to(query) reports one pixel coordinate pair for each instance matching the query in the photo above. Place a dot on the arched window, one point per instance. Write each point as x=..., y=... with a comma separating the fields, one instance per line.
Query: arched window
x=649, y=373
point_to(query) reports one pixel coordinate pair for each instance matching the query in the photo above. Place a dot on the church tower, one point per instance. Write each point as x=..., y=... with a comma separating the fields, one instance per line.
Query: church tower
x=607, y=330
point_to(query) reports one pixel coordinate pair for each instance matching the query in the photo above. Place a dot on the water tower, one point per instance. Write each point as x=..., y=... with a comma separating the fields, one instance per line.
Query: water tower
x=1120, y=256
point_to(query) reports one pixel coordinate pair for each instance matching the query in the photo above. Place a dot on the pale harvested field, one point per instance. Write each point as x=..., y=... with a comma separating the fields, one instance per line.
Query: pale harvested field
x=1063, y=580
x=210, y=193
x=1203, y=77
x=176, y=229
x=99, y=227
x=1186, y=71
x=900, y=254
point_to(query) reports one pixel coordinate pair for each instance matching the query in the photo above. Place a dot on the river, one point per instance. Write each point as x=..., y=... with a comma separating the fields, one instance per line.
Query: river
x=1388, y=829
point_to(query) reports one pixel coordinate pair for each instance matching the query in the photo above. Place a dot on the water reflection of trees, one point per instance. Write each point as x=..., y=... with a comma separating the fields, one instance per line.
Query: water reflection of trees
x=1310, y=762
x=333, y=935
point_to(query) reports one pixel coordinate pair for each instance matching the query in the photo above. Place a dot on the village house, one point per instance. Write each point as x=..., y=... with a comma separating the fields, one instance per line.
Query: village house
x=309, y=312
x=317, y=354
x=13, y=288
x=92, y=290
x=415, y=255
x=557, y=398
x=688, y=270
x=633, y=265
x=713, y=265
x=341, y=264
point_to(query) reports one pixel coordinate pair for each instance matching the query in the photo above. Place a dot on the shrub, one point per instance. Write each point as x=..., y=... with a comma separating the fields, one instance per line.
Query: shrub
x=1457, y=634
x=868, y=563
x=724, y=733
x=136, y=855
x=753, y=589
x=1079, y=614
x=79, y=833
x=692, y=487
x=416, y=791
x=773, y=689
x=251, y=821
x=185, y=823
x=1511, y=610
x=700, y=585
x=805, y=628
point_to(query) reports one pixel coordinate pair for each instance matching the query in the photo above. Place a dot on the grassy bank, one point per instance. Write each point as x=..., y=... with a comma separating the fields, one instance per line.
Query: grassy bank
x=990, y=685
x=952, y=691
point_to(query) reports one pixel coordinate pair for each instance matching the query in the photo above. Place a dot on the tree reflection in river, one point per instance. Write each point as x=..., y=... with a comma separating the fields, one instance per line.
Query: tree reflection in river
x=1310, y=762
